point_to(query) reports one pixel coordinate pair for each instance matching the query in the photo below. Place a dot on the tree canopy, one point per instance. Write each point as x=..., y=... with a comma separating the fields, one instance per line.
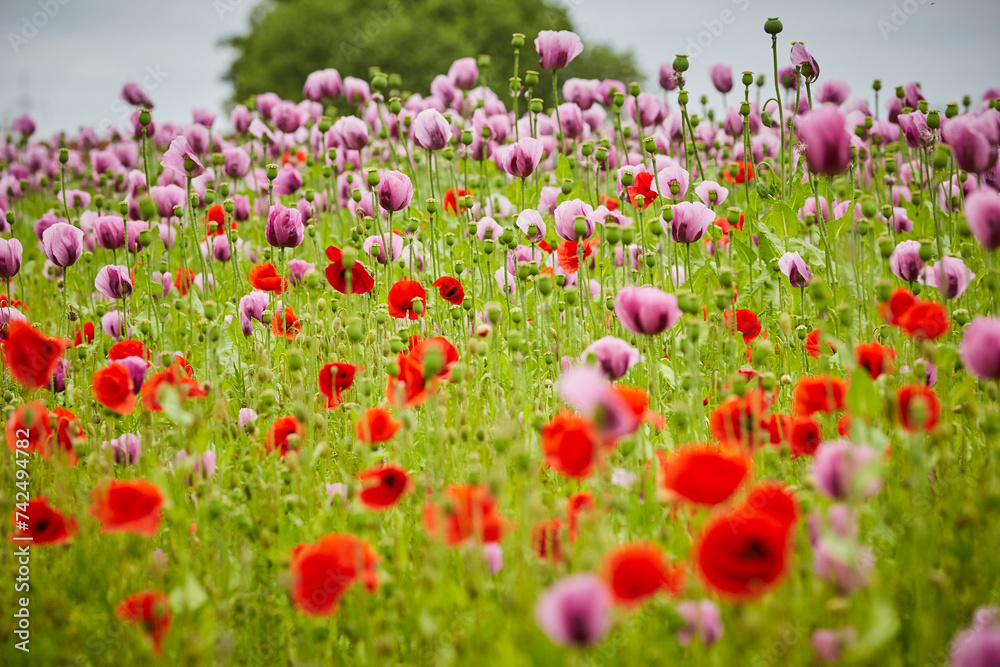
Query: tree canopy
x=417, y=39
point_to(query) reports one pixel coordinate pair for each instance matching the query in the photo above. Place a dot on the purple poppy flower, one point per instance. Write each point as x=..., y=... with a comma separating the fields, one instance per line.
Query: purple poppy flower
x=134, y=94
x=488, y=229
x=522, y=254
x=57, y=383
x=982, y=211
x=671, y=178
x=702, y=619
x=136, y=367
x=711, y=193
x=114, y=282
x=833, y=92
x=795, y=269
x=464, y=73
x=284, y=227
x=531, y=223
x=668, y=77
x=566, y=214
x=575, y=611
x=357, y=91
x=246, y=416
x=949, y=275
x=556, y=49
x=216, y=247
x=47, y=220
x=581, y=92
x=179, y=156
x=430, y=130
x=111, y=324
x=980, y=347
x=10, y=258
x=393, y=241
x=395, y=191
x=689, y=223
x=521, y=158
x=912, y=95
x=646, y=310
x=287, y=116
x=905, y=261
x=634, y=251
x=979, y=645
x=722, y=77
x=588, y=392
x=973, y=139
x=323, y=84
x=287, y=181
x=237, y=163
x=350, y=132
x=75, y=199
x=613, y=355
x=800, y=57
x=166, y=197
x=841, y=470
x=915, y=130
x=494, y=556
x=127, y=448
x=110, y=232
x=828, y=145
x=829, y=643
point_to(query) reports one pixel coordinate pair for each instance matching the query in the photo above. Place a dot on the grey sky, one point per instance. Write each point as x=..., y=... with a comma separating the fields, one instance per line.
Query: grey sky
x=69, y=63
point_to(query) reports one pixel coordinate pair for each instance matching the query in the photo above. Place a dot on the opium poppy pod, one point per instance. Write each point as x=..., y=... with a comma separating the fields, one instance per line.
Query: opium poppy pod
x=132, y=506
x=376, y=425
x=31, y=356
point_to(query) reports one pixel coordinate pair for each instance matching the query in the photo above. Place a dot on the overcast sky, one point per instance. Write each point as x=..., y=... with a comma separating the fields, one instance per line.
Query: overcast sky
x=65, y=61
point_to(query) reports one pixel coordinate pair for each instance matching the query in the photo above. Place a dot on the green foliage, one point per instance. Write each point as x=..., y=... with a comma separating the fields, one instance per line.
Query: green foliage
x=417, y=39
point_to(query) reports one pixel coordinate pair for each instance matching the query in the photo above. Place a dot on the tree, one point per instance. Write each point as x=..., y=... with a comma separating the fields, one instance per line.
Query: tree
x=417, y=39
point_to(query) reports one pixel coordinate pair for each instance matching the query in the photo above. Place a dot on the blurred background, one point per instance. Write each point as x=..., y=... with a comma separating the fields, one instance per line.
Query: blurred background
x=65, y=61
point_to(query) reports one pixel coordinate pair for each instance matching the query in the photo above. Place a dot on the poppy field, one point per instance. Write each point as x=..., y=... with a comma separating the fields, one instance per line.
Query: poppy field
x=383, y=377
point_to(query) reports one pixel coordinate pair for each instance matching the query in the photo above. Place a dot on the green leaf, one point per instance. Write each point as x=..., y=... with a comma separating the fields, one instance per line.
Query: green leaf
x=188, y=596
x=863, y=399
x=745, y=251
x=840, y=224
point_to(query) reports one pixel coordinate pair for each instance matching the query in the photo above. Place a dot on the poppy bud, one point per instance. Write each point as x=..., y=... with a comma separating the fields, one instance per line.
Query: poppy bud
x=772, y=26
x=433, y=361
x=725, y=275
x=628, y=235
x=744, y=108
x=618, y=98
x=951, y=110
x=845, y=313
x=640, y=200
x=373, y=177
x=926, y=251
x=601, y=154
x=868, y=207
x=489, y=246
x=561, y=282
x=63, y=155
x=765, y=118
x=680, y=63
x=294, y=360
x=934, y=120
x=886, y=246
x=819, y=292
x=687, y=302
x=723, y=298
x=992, y=281
x=941, y=155
x=961, y=316
x=570, y=295
x=649, y=144
x=395, y=106
x=922, y=107
x=864, y=226
x=380, y=82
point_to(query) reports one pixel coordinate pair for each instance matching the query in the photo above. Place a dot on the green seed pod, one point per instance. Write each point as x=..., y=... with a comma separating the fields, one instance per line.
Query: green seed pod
x=772, y=26
x=681, y=63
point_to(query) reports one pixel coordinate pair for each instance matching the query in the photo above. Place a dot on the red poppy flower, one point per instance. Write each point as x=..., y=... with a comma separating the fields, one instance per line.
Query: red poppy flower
x=281, y=431
x=636, y=571
x=384, y=485
x=898, y=303
x=813, y=347
x=609, y=203
x=84, y=334
x=778, y=427
x=323, y=572
x=184, y=364
x=334, y=379
x=742, y=555
x=577, y=504
x=874, y=358
x=184, y=278
x=468, y=511
x=925, y=320
x=546, y=540
x=30, y=424
x=376, y=425
x=114, y=388
x=289, y=328
x=544, y=245
x=737, y=421
x=773, y=499
x=6, y=301
x=701, y=474
x=804, y=436
x=129, y=348
x=918, y=408
x=217, y=214
x=844, y=425
x=175, y=376
x=408, y=388
x=744, y=173
x=403, y=299
x=571, y=445
x=337, y=273
x=68, y=433
x=641, y=186
x=638, y=401
x=450, y=289
x=151, y=609
x=566, y=254
x=747, y=323
x=31, y=356
x=818, y=393
x=132, y=506
x=451, y=204
x=43, y=524
x=266, y=278
x=449, y=355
